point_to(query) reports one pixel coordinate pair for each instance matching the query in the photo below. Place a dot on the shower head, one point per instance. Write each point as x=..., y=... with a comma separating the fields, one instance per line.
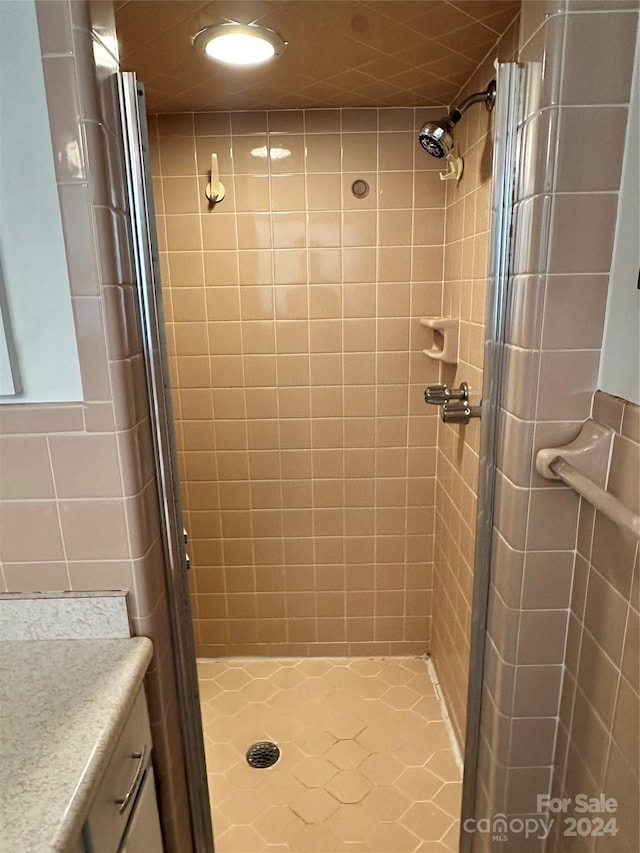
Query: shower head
x=436, y=137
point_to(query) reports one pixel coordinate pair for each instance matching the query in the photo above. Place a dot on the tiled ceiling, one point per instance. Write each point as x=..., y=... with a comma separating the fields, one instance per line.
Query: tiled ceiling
x=355, y=53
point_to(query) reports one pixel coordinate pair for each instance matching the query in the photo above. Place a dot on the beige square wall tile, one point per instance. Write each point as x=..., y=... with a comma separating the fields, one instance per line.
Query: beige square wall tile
x=26, y=472
x=559, y=399
x=579, y=167
x=30, y=577
x=95, y=575
x=30, y=531
x=323, y=153
x=85, y=466
x=583, y=222
x=586, y=36
x=94, y=530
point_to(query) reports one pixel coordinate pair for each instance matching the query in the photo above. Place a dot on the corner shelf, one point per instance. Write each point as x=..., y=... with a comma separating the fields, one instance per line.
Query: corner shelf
x=445, y=338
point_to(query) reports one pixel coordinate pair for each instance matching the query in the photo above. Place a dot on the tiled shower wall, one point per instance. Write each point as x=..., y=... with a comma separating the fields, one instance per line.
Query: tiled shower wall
x=578, y=61
x=468, y=209
x=78, y=504
x=306, y=451
x=599, y=720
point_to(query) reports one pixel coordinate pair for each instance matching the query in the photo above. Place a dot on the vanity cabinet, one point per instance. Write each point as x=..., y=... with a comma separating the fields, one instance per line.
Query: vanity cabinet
x=143, y=829
x=123, y=817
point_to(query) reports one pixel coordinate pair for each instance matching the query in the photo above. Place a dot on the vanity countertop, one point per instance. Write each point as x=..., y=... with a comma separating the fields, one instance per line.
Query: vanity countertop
x=63, y=704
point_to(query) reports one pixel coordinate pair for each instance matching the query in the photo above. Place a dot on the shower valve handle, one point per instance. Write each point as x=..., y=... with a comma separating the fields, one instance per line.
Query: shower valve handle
x=460, y=412
x=440, y=395
x=436, y=395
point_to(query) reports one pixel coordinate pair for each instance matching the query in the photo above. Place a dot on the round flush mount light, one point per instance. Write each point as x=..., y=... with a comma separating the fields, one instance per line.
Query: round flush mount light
x=239, y=44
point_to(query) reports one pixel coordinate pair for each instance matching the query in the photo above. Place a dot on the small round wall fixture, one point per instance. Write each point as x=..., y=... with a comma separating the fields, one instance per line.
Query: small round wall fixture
x=360, y=188
x=239, y=44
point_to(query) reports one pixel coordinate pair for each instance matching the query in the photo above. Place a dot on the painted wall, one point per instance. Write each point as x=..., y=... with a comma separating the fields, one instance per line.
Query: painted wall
x=620, y=374
x=37, y=333
x=307, y=454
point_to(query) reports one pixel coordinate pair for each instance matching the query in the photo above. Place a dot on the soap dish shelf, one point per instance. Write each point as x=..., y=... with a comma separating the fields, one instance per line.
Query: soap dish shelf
x=445, y=343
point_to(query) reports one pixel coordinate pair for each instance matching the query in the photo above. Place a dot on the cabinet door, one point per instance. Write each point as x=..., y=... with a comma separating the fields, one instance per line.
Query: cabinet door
x=109, y=815
x=143, y=831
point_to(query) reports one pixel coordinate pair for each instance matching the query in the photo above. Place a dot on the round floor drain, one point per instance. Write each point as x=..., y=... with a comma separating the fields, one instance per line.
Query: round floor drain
x=263, y=754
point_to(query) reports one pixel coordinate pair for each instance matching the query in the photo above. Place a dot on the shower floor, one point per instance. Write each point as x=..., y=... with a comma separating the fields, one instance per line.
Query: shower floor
x=366, y=760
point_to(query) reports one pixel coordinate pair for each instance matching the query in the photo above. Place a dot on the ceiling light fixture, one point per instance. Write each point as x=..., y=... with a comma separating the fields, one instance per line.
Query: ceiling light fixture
x=239, y=44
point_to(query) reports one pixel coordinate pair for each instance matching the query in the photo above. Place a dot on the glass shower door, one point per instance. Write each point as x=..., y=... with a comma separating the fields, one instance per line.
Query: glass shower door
x=145, y=249
x=507, y=111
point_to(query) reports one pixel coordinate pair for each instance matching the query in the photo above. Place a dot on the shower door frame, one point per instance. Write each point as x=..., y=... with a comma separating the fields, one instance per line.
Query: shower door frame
x=145, y=248
x=508, y=113
x=144, y=244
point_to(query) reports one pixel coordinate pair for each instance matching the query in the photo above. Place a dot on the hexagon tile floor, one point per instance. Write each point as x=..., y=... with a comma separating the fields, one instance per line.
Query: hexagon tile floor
x=366, y=763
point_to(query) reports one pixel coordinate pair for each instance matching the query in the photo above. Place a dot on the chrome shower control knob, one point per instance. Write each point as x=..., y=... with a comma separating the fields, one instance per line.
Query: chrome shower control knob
x=456, y=413
x=439, y=395
x=436, y=395
x=459, y=412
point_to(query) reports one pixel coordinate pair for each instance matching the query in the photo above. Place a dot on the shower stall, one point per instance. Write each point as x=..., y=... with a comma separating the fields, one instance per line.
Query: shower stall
x=314, y=485
x=331, y=514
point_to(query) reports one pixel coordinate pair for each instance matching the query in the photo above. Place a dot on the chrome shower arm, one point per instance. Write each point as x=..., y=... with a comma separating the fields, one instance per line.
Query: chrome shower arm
x=488, y=98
